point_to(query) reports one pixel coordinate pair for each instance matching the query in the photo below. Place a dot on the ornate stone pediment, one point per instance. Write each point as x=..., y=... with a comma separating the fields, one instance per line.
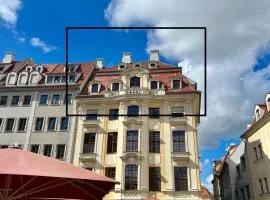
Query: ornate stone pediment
x=133, y=123
x=135, y=71
x=132, y=157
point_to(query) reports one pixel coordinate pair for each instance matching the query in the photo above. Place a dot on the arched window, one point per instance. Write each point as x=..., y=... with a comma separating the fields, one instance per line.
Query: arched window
x=23, y=79
x=135, y=82
x=34, y=79
x=133, y=111
x=258, y=113
x=131, y=177
x=11, y=79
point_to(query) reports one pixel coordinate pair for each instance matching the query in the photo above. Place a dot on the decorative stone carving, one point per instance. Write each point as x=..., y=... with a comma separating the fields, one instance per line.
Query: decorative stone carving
x=132, y=124
x=132, y=158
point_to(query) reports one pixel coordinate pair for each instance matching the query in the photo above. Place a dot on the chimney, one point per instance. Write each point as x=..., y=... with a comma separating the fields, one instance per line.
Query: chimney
x=154, y=56
x=9, y=57
x=99, y=63
x=126, y=57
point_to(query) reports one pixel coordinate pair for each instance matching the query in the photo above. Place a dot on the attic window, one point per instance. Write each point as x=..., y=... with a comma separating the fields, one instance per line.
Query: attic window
x=121, y=66
x=29, y=69
x=137, y=65
x=71, y=69
x=40, y=68
x=258, y=113
x=176, y=84
x=152, y=65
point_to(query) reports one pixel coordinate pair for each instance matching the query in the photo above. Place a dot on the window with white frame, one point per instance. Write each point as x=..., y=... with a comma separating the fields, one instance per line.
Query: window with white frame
x=154, y=85
x=131, y=177
x=115, y=86
x=44, y=99
x=176, y=84
x=34, y=148
x=51, y=123
x=10, y=124
x=3, y=100
x=135, y=82
x=64, y=123
x=23, y=78
x=47, y=150
x=39, y=123
x=27, y=100
x=49, y=79
x=22, y=124
x=33, y=78
x=12, y=79
x=57, y=79
x=95, y=88
x=55, y=99
x=15, y=100
x=60, y=151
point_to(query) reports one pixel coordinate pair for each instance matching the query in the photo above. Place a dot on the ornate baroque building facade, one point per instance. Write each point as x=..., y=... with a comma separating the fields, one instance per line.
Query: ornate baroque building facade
x=151, y=156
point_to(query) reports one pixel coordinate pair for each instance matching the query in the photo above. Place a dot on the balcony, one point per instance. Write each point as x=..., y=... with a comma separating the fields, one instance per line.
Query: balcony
x=180, y=156
x=135, y=91
x=178, y=120
x=88, y=153
x=90, y=123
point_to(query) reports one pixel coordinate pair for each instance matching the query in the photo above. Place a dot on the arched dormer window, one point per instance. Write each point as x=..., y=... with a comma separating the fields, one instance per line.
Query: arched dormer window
x=176, y=84
x=135, y=82
x=33, y=78
x=40, y=68
x=137, y=65
x=131, y=177
x=12, y=78
x=122, y=66
x=258, y=114
x=23, y=78
x=29, y=69
x=94, y=87
x=152, y=65
x=133, y=111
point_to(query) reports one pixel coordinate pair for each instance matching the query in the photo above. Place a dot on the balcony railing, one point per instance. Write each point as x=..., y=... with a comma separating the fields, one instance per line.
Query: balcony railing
x=180, y=155
x=135, y=91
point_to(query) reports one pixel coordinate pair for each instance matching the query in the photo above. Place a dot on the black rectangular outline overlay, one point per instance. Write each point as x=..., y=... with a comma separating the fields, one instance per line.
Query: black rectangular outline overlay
x=137, y=28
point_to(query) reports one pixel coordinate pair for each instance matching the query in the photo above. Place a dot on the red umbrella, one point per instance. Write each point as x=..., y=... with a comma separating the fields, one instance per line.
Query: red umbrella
x=26, y=175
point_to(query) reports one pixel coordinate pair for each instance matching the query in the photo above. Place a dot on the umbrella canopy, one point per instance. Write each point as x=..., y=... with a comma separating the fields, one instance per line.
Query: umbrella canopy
x=26, y=175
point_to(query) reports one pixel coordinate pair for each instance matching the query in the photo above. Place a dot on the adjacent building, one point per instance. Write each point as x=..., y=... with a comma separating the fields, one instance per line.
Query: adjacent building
x=152, y=156
x=33, y=105
x=257, y=140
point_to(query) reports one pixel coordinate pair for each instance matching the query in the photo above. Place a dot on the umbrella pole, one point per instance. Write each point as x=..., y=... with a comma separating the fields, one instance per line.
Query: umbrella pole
x=4, y=191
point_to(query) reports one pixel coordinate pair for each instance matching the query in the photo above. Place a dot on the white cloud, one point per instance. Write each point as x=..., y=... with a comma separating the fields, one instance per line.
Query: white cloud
x=204, y=164
x=37, y=42
x=9, y=11
x=237, y=32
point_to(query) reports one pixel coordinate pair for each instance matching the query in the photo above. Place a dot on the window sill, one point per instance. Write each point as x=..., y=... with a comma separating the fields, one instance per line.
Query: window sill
x=26, y=105
x=111, y=153
x=64, y=131
x=24, y=131
x=43, y=104
x=14, y=105
x=55, y=104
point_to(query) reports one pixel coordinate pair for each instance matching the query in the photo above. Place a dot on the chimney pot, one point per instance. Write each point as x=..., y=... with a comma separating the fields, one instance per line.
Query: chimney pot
x=126, y=57
x=9, y=57
x=99, y=63
x=154, y=56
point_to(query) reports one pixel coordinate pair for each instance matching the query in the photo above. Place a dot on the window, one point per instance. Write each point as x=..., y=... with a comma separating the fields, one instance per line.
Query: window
x=1, y=120
x=176, y=84
x=266, y=184
x=243, y=163
x=3, y=100
x=69, y=98
x=15, y=100
x=39, y=124
x=237, y=171
x=112, y=142
x=47, y=150
x=51, y=123
x=64, y=123
x=180, y=179
x=154, y=142
x=57, y=79
x=113, y=115
x=131, y=177
x=92, y=115
x=43, y=100
x=255, y=152
x=27, y=100
x=10, y=124
x=22, y=124
x=247, y=191
x=72, y=79
x=258, y=113
x=179, y=141
x=110, y=172
x=33, y=79
x=89, y=142
x=154, y=112
x=50, y=79
x=94, y=88
x=3, y=146
x=115, y=87
x=56, y=99
x=63, y=79
x=177, y=111
x=60, y=151
x=135, y=82
x=34, y=148
x=11, y=79
x=154, y=85
x=154, y=178
x=133, y=111
x=261, y=186
x=121, y=66
x=132, y=141
x=260, y=150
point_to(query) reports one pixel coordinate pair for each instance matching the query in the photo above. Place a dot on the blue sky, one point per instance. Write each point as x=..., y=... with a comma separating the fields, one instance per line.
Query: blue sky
x=39, y=32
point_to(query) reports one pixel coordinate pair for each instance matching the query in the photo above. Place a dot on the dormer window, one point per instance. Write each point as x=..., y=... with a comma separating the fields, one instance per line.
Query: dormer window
x=23, y=78
x=137, y=65
x=154, y=85
x=94, y=88
x=258, y=114
x=71, y=69
x=63, y=79
x=12, y=79
x=122, y=67
x=33, y=78
x=57, y=79
x=135, y=82
x=50, y=79
x=40, y=68
x=152, y=65
x=115, y=87
x=176, y=84
x=29, y=69
x=72, y=79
